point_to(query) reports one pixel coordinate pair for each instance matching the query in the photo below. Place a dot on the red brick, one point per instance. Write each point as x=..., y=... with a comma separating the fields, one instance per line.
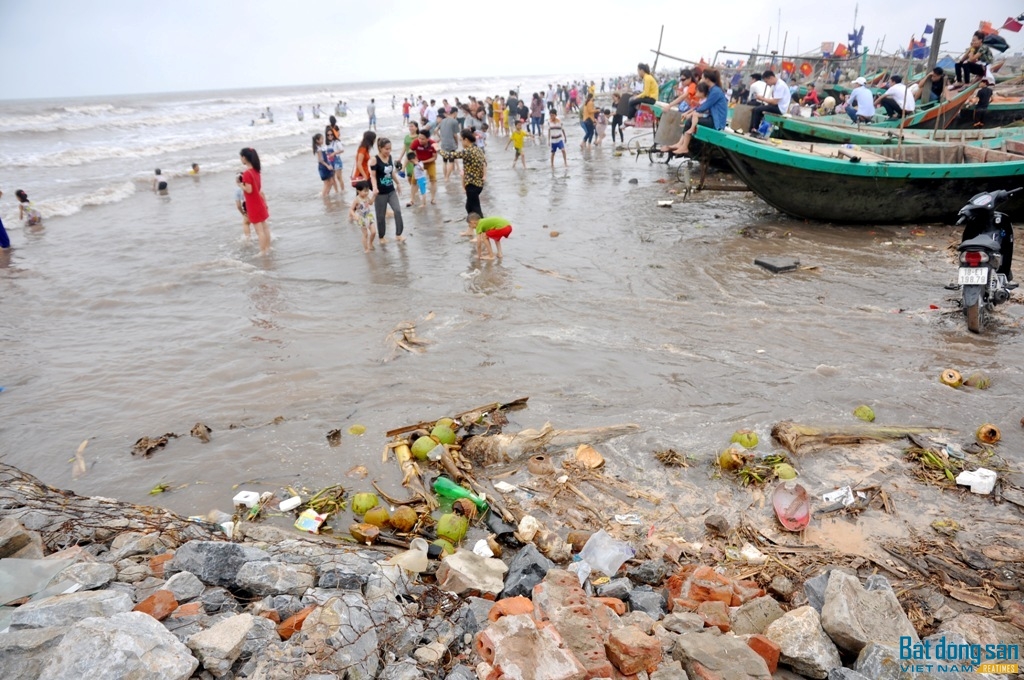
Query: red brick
x=159, y=605
x=708, y=585
x=271, y=614
x=156, y=563
x=190, y=609
x=613, y=603
x=745, y=591
x=293, y=623
x=510, y=606
x=716, y=614
x=631, y=650
x=766, y=649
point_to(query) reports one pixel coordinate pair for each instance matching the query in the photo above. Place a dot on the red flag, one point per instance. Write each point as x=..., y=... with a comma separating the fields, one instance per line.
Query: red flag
x=986, y=27
x=841, y=50
x=1012, y=25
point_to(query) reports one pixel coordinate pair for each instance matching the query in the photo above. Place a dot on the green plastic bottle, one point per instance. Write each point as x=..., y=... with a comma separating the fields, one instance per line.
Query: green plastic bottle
x=446, y=488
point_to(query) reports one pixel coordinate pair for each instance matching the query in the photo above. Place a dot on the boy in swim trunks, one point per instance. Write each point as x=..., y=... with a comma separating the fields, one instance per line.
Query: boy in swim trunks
x=556, y=137
x=516, y=140
x=488, y=229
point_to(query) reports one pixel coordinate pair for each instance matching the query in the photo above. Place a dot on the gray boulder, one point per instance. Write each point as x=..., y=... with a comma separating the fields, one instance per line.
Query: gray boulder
x=803, y=644
x=128, y=645
x=218, y=600
x=342, y=634
x=213, y=562
x=89, y=574
x=461, y=673
x=402, y=670
x=262, y=633
x=64, y=610
x=755, y=616
x=17, y=541
x=651, y=572
x=683, y=622
x=617, y=587
x=275, y=578
x=24, y=652
x=348, y=571
x=219, y=646
x=853, y=616
x=727, y=657
x=846, y=674
x=184, y=586
x=472, y=615
x=645, y=599
x=526, y=570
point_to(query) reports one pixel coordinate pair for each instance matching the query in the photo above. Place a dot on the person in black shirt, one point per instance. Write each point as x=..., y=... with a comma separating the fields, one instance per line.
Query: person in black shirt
x=935, y=81
x=984, y=97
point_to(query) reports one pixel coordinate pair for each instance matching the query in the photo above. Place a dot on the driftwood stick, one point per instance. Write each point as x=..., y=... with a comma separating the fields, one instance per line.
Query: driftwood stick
x=797, y=438
x=495, y=406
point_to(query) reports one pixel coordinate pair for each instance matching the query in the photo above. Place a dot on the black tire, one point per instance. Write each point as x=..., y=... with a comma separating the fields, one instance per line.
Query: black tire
x=975, y=317
x=974, y=308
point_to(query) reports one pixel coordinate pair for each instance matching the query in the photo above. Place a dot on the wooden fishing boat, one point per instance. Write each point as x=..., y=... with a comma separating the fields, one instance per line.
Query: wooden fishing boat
x=998, y=115
x=838, y=132
x=935, y=115
x=883, y=184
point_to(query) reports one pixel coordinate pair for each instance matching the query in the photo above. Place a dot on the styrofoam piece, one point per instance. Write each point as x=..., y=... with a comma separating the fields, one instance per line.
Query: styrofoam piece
x=289, y=503
x=246, y=498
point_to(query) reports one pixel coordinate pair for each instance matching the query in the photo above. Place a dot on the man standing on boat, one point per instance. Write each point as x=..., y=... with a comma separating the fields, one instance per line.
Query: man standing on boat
x=776, y=100
x=860, y=106
x=897, y=101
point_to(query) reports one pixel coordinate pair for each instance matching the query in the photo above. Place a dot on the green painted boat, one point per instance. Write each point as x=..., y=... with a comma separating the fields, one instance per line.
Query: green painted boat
x=931, y=116
x=870, y=185
x=997, y=116
x=800, y=129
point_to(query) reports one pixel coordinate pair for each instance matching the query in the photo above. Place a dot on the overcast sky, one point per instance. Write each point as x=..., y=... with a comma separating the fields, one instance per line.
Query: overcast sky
x=65, y=48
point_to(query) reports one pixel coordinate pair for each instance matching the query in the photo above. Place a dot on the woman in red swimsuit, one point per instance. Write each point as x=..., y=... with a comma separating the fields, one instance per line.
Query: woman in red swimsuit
x=255, y=202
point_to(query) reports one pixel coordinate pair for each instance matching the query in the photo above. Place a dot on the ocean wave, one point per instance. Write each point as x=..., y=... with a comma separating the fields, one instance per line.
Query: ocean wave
x=69, y=205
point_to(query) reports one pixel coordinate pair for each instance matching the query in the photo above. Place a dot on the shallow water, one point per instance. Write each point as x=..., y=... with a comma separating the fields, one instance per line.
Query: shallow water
x=147, y=315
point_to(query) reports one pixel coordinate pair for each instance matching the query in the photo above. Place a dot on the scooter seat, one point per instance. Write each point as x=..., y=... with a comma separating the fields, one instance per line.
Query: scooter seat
x=981, y=242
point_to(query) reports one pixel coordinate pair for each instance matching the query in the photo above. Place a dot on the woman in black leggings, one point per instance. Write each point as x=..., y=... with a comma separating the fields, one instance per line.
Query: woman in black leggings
x=617, y=117
x=385, y=190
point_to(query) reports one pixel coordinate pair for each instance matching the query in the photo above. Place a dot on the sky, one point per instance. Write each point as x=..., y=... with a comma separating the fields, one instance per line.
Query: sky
x=65, y=48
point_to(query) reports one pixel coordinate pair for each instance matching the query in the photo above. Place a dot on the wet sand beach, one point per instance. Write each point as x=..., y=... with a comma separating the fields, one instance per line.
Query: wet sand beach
x=144, y=316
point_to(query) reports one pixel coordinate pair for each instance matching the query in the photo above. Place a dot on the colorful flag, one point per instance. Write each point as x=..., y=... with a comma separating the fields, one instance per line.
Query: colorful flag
x=1012, y=25
x=986, y=27
x=841, y=50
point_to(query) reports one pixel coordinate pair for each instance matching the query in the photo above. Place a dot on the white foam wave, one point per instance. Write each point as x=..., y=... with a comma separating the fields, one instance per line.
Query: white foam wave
x=69, y=205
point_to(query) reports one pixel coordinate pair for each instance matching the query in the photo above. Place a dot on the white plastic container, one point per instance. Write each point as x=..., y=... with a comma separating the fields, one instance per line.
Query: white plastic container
x=604, y=553
x=289, y=503
x=246, y=498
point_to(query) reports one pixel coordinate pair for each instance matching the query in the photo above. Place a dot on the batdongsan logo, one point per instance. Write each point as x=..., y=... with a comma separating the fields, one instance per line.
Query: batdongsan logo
x=938, y=656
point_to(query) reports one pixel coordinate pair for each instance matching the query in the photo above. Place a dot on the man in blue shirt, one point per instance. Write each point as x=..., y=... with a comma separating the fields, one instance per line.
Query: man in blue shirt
x=860, y=105
x=712, y=112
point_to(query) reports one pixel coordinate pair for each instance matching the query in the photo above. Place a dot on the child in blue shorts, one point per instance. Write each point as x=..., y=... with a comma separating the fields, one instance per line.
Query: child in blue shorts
x=419, y=174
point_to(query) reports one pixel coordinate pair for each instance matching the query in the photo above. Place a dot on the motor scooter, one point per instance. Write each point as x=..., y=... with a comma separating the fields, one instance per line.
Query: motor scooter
x=985, y=256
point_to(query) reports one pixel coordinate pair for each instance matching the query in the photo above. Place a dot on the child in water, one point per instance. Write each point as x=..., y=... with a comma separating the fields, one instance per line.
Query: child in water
x=26, y=211
x=362, y=213
x=417, y=175
x=5, y=242
x=488, y=229
x=159, y=183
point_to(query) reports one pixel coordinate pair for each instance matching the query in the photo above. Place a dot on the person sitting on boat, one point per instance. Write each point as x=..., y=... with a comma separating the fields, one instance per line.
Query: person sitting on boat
x=933, y=83
x=897, y=100
x=811, y=98
x=712, y=112
x=860, y=105
x=776, y=100
x=758, y=88
x=686, y=90
x=648, y=95
x=974, y=61
x=828, y=106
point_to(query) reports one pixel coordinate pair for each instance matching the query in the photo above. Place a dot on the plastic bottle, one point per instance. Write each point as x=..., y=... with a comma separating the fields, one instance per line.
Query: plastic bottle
x=446, y=488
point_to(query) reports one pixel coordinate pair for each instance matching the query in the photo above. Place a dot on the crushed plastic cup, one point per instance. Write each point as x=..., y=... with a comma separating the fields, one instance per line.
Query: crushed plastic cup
x=505, y=487
x=435, y=453
x=981, y=481
x=289, y=503
x=246, y=498
x=414, y=559
x=604, y=553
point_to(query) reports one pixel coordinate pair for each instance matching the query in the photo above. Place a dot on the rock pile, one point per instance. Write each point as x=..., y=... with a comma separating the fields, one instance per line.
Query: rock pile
x=142, y=606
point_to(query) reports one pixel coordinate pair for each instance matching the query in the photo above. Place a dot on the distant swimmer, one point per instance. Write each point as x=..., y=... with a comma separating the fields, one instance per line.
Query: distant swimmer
x=316, y=110
x=371, y=114
x=194, y=169
x=26, y=211
x=160, y=183
x=299, y=114
x=5, y=241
